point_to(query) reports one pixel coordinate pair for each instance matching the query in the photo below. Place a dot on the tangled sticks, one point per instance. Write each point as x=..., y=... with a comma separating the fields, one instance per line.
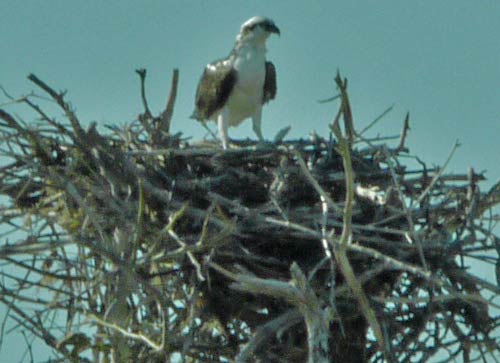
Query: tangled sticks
x=147, y=247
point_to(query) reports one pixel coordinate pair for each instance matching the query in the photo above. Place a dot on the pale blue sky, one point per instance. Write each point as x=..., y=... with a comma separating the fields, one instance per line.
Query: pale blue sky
x=440, y=60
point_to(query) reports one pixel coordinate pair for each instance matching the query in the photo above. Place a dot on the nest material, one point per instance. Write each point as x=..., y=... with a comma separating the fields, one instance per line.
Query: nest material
x=182, y=248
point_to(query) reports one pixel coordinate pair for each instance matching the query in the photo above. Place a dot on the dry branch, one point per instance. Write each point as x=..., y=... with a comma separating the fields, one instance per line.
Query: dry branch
x=147, y=247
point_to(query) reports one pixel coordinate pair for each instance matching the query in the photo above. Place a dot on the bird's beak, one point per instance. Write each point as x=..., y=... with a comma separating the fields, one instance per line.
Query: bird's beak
x=273, y=29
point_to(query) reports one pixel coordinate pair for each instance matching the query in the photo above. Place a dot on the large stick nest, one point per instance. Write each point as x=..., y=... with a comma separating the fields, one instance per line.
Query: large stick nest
x=170, y=248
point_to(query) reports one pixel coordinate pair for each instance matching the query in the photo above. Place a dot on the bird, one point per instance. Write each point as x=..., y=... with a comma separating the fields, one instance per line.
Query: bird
x=235, y=88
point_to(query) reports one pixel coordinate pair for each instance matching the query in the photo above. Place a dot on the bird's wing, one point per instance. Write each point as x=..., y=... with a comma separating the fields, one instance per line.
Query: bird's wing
x=270, y=85
x=214, y=88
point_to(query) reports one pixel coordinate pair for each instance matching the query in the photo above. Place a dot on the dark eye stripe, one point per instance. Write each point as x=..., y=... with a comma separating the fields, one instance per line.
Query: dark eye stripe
x=265, y=25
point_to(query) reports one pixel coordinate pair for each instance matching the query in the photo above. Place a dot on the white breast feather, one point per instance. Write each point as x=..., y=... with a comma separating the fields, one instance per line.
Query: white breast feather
x=246, y=97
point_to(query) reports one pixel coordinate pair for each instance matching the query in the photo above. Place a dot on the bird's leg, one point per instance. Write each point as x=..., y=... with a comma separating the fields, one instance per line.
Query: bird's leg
x=256, y=124
x=223, y=126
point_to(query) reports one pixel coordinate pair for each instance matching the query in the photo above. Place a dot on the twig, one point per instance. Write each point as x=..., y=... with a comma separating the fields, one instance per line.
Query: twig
x=297, y=292
x=142, y=338
x=346, y=237
x=59, y=98
x=410, y=236
x=406, y=126
x=324, y=195
x=376, y=120
x=142, y=74
x=436, y=177
x=330, y=99
x=266, y=332
x=345, y=108
x=166, y=116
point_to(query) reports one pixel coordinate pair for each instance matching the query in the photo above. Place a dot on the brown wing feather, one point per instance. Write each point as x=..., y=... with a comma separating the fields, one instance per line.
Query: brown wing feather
x=270, y=84
x=213, y=90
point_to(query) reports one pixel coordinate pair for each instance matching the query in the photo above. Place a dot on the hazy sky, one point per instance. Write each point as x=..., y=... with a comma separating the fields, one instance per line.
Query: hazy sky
x=440, y=60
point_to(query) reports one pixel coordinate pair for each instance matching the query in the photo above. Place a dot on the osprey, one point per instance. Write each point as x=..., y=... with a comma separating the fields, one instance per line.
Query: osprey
x=235, y=88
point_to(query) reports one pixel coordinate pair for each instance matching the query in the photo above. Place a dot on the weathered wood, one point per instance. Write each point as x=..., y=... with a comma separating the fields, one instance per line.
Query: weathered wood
x=185, y=248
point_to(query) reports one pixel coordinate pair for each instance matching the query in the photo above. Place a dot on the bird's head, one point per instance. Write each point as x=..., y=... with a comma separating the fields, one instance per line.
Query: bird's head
x=257, y=29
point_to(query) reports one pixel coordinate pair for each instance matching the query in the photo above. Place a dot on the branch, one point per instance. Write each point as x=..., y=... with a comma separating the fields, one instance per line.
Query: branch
x=142, y=338
x=166, y=116
x=314, y=183
x=59, y=98
x=406, y=127
x=142, y=74
x=297, y=292
x=265, y=332
x=346, y=237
